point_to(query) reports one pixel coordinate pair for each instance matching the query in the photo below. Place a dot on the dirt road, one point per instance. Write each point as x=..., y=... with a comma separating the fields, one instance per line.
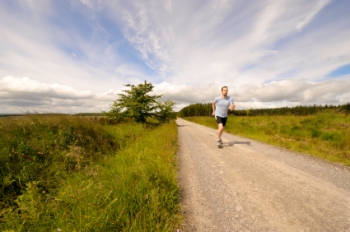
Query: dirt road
x=250, y=186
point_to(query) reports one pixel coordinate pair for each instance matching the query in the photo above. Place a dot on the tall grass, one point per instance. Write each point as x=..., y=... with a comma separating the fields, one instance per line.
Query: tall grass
x=46, y=148
x=325, y=135
x=126, y=182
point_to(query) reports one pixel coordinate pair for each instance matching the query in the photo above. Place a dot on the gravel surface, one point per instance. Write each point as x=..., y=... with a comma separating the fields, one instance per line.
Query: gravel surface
x=251, y=186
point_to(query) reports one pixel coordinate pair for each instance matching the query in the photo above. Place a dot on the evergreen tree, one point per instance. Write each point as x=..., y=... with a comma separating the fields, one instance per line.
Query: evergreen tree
x=137, y=104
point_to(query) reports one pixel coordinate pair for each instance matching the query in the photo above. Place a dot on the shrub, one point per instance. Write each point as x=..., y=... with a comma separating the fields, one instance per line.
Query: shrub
x=40, y=147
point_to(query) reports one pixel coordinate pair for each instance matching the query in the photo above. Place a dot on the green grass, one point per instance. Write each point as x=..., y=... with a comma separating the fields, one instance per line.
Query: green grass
x=325, y=135
x=129, y=186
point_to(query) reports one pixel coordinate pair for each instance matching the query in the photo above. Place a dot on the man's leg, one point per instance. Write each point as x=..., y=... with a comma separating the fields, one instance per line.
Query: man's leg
x=221, y=123
x=220, y=130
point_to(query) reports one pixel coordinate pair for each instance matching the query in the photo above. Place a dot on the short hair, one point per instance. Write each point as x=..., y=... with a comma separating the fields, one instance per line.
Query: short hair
x=222, y=88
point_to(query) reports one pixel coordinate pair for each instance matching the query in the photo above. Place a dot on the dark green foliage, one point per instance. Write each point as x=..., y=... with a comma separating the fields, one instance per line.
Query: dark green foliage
x=315, y=133
x=198, y=109
x=10, y=115
x=345, y=108
x=164, y=111
x=136, y=104
x=206, y=110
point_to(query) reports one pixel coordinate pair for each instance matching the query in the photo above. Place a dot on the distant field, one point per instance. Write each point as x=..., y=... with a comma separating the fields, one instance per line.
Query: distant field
x=9, y=115
x=90, y=114
x=78, y=114
x=325, y=135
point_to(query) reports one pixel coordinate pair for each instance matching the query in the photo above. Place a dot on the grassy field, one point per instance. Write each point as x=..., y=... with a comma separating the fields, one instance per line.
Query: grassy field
x=69, y=173
x=325, y=135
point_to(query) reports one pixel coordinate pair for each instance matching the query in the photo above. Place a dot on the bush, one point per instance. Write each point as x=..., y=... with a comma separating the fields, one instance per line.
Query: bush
x=41, y=148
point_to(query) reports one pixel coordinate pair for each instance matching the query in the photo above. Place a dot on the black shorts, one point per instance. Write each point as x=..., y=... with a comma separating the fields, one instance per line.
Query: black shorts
x=221, y=120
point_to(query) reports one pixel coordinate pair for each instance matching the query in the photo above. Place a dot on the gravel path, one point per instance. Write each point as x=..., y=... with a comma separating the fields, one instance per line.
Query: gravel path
x=250, y=186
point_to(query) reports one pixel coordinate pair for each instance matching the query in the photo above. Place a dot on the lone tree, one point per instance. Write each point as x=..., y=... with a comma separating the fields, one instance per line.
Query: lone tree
x=137, y=104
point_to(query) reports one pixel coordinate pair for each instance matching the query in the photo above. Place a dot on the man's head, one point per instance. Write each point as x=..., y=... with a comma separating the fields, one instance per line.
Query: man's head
x=224, y=91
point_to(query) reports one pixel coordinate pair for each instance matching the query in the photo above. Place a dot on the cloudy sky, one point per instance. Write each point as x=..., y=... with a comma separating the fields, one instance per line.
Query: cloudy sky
x=74, y=56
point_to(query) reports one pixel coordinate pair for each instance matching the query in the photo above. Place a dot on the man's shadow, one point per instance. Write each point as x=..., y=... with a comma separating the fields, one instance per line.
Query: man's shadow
x=232, y=143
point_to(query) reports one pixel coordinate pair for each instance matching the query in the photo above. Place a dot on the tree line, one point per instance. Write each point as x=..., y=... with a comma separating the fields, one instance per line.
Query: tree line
x=205, y=109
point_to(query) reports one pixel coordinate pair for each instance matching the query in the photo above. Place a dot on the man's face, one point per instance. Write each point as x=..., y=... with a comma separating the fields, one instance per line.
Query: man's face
x=224, y=92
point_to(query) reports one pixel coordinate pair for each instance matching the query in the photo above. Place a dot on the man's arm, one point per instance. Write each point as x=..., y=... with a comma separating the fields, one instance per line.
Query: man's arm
x=213, y=106
x=232, y=107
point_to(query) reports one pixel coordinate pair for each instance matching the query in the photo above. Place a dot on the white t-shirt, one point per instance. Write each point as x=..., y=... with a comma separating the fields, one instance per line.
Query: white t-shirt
x=222, y=105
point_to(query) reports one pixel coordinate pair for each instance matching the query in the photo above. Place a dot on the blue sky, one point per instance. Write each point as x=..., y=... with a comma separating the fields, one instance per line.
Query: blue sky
x=76, y=56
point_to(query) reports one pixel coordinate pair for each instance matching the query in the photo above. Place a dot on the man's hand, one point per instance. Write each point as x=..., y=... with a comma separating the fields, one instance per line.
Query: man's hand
x=213, y=114
x=232, y=107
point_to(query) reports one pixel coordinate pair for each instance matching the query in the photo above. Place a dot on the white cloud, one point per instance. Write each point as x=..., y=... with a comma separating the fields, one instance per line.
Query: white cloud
x=109, y=96
x=310, y=15
x=268, y=52
x=25, y=85
x=199, y=44
x=24, y=94
x=31, y=46
x=275, y=94
x=209, y=53
x=299, y=90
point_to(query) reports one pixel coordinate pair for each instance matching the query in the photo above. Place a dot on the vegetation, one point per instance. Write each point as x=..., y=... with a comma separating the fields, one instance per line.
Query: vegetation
x=325, y=135
x=200, y=109
x=10, y=115
x=70, y=173
x=137, y=104
x=90, y=114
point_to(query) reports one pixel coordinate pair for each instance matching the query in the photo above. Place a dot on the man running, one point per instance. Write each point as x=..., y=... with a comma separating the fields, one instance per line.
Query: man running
x=220, y=107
